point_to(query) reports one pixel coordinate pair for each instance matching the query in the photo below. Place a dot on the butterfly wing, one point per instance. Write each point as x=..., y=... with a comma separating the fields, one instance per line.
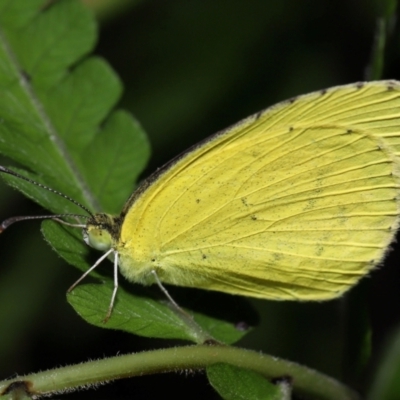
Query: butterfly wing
x=296, y=202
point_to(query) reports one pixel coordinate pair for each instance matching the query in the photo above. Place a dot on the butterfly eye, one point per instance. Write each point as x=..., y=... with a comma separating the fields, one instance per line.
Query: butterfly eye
x=98, y=237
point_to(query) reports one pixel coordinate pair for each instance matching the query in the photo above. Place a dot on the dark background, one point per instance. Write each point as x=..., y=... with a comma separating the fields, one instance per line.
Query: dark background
x=191, y=68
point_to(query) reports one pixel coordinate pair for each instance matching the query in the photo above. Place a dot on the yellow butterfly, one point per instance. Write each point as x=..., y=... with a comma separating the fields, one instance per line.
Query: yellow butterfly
x=296, y=202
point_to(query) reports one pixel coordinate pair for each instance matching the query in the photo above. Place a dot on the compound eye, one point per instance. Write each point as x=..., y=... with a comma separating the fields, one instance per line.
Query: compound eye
x=98, y=238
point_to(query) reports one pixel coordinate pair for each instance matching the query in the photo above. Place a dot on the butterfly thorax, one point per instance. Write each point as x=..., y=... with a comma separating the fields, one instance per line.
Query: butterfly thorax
x=102, y=231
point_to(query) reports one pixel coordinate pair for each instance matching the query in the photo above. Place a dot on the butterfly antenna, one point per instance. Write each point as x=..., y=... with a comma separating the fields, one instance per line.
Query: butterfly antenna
x=5, y=224
x=56, y=217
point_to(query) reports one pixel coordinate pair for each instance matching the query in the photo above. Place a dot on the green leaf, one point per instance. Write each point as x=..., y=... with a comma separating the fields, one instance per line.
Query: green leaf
x=134, y=314
x=55, y=108
x=234, y=383
x=122, y=157
x=223, y=331
x=69, y=244
x=56, y=117
x=144, y=316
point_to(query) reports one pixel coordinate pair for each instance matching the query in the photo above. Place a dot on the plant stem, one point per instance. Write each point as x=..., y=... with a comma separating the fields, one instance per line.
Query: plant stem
x=309, y=383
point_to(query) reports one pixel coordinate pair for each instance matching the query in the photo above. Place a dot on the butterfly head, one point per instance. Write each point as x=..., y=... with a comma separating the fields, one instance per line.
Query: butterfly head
x=100, y=232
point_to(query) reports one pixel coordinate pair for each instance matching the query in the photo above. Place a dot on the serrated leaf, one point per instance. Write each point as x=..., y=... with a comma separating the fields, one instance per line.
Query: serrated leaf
x=122, y=154
x=234, y=383
x=56, y=118
x=82, y=101
x=145, y=316
x=54, y=104
x=134, y=314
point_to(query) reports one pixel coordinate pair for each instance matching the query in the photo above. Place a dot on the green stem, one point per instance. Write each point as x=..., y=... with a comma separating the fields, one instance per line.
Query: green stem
x=309, y=383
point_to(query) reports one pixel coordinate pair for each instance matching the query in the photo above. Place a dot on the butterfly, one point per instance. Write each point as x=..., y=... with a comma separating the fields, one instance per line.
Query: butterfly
x=296, y=202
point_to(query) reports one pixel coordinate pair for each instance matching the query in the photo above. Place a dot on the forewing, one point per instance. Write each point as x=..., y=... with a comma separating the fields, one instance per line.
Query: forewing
x=296, y=202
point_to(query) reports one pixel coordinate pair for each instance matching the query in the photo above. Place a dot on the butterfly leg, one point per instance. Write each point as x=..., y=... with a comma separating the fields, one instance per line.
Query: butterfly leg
x=105, y=255
x=203, y=336
x=114, y=293
x=167, y=295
